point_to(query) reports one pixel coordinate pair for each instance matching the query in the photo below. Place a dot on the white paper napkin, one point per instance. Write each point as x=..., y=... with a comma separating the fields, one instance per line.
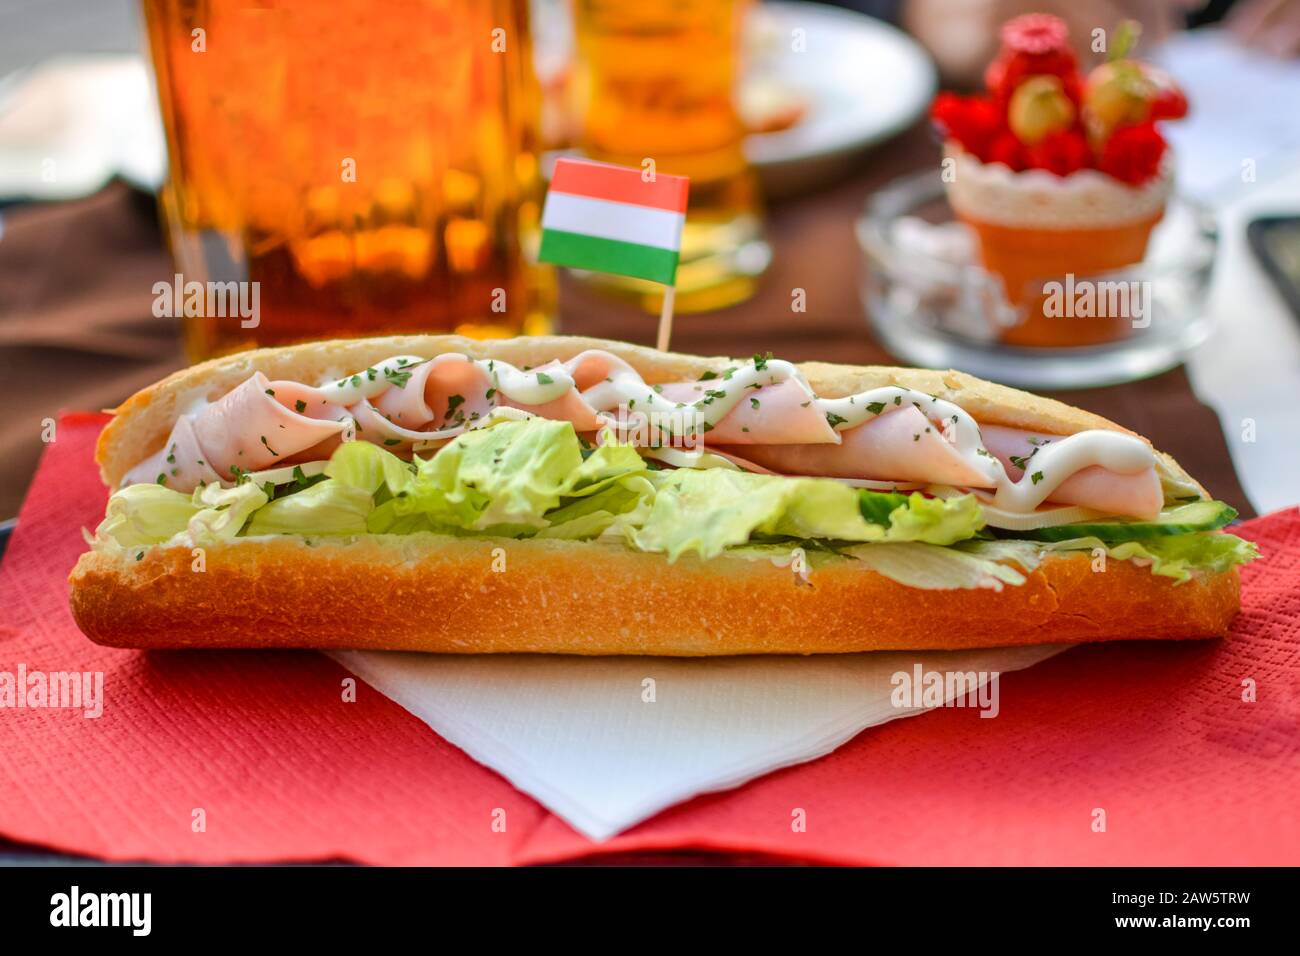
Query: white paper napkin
x=606, y=742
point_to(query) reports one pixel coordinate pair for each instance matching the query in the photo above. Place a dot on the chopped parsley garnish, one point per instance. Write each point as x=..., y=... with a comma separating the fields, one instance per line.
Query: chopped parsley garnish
x=832, y=419
x=1036, y=477
x=300, y=406
x=271, y=392
x=392, y=441
x=544, y=379
x=875, y=408
x=453, y=402
x=269, y=448
x=399, y=379
x=760, y=361
x=707, y=377
x=489, y=393
x=1023, y=463
x=753, y=402
x=162, y=479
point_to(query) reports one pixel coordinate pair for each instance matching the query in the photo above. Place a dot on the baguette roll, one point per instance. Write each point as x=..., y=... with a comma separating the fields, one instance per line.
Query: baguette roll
x=479, y=594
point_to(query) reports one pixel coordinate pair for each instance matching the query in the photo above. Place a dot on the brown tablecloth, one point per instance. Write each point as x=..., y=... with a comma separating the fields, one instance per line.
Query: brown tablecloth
x=76, y=329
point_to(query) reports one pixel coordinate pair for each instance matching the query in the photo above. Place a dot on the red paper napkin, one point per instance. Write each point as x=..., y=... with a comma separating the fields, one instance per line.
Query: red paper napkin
x=1154, y=734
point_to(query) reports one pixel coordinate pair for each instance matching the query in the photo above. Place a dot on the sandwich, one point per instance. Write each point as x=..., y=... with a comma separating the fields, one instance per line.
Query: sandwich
x=580, y=496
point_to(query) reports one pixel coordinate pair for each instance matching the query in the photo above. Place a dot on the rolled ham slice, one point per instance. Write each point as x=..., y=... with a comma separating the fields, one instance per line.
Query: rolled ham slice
x=899, y=445
x=180, y=464
x=441, y=393
x=782, y=414
x=250, y=430
x=1137, y=495
x=587, y=369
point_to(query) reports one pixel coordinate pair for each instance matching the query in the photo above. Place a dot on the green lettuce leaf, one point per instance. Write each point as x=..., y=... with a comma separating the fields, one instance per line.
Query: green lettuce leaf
x=706, y=512
x=619, y=506
x=512, y=478
x=915, y=517
x=326, y=508
x=145, y=514
x=367, y=467
x=938, y=568
x=223, y=511
x=1176, y=556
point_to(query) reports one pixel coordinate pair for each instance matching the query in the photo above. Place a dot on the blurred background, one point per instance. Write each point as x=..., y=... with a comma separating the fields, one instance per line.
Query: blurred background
x=349, y=168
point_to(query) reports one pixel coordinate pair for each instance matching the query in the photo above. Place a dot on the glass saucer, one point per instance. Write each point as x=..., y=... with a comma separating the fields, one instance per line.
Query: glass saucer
x=931, y=304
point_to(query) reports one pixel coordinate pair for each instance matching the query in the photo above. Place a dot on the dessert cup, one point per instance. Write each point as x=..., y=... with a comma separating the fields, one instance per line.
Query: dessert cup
x=1035, y=228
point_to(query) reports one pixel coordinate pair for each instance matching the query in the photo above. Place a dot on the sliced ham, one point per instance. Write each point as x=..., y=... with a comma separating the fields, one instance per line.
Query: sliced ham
x=899, y=445
x=1137, y=495
x=440, y=394
x=776, y=428
x=180, y=463
x=377, y=429
x=250, y=430
x=782, y=414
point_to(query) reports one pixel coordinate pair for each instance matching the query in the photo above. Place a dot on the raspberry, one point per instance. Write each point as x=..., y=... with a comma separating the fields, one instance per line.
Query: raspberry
x=1008, y=151
x=1062, y=153
x=971, y=121
x=1133, y=153
x=1170, y=103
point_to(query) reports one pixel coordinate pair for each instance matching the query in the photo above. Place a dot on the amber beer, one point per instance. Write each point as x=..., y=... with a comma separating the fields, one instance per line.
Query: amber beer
x=372, y=166
x=658, y=81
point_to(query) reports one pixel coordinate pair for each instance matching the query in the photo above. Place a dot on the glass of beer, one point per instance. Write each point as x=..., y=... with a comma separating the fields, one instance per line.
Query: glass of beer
x=657, y=82
x=361, y=168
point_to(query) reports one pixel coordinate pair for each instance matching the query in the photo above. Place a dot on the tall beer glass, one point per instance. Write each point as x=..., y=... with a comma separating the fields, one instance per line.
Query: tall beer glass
x=657, y=81
x=370, y=167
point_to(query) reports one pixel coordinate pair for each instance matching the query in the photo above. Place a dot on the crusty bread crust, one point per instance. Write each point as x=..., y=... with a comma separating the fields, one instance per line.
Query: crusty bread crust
x=427, y=592
x=143, y=422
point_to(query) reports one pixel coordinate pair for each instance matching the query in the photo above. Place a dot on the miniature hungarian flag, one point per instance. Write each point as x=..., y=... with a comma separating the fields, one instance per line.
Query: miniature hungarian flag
x=609, y=219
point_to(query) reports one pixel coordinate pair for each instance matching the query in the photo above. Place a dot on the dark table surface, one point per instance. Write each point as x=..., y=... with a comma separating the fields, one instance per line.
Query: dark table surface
x=76, y=329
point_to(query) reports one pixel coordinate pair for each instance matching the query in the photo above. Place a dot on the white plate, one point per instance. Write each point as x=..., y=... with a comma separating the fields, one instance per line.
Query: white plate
x=71, y=124
x=863, y=79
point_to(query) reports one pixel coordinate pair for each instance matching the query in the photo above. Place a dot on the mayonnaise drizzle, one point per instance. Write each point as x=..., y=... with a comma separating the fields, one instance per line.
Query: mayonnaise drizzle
x=1052, y=463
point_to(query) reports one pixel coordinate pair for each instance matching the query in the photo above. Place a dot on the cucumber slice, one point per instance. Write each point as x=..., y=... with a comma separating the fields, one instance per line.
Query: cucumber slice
x=1181, y=519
